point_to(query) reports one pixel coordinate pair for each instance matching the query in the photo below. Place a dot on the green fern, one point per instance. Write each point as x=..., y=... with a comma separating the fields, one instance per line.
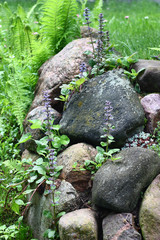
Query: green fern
x=59, y=22
x=83, y=6
x=98, y=8
x=18, y=92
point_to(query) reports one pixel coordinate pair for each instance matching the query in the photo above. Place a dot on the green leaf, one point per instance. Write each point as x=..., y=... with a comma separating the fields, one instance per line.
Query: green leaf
x=59, y=168
x=20, y=219
x=60, y=214
x=56, y=127
x=57, y=142
x=80, y=81
x=88, y=52
x=39, y=161
x=64, y=140
x=25, y=138
x=99, y=158
x=39, y=169
x=32, y=179
x=47, y=214
x=15, y=207
x=103, y=144
x=36, y=124
x=28, y=191
x=40, y=180
x=19, y=202
x=156, y=49
x=100, y=150
x=110, y=137
x=51, y=234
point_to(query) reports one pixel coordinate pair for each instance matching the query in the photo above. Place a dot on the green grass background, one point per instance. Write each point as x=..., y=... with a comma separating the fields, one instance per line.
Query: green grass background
x=136, y=34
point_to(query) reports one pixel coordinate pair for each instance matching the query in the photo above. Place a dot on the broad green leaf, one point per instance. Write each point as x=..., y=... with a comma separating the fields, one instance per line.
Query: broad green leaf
x=80, y=81
x=51, y=234
x=40, y=180
x=110, y=137
x=64, y=140
x=56, y=127
x=32, y=179
x=39, y=169
x=99, y=158
x=15, y=207
x=57, y=142
x=28, y=191
x=104, y=144
x=60, y=214
x=19, y=202
x=3, y=227
x=36, y=124
x=47, y=214
x=59, y=168
x=39, y=161
x=25, y=138
x=100, y=150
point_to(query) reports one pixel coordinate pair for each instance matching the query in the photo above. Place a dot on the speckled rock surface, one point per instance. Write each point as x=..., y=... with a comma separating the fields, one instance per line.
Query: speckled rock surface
x=83, y=120
x=149, y=79
x=151, y=105
x=80, y=224
x=60, y=69
x=119, y=227
x=117, y=185
x=68, y=201
x=76, y=153
x=150, y=211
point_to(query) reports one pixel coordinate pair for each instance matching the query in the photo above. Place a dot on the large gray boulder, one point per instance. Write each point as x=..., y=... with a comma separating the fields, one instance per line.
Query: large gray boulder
x=83, y=119
x=150, y=211
x=149, y=79
x=119, y=227
x=118, y=184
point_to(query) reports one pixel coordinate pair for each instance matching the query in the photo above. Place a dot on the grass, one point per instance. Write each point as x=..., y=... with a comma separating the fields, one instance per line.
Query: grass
x=137, y=33
x=27, y=4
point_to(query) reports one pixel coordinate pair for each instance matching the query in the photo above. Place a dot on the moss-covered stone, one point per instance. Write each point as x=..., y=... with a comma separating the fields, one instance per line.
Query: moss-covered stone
x=83, y=119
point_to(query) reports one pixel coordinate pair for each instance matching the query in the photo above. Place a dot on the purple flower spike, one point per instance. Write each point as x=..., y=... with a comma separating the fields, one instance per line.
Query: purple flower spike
x=82, y=69
x=108, y=116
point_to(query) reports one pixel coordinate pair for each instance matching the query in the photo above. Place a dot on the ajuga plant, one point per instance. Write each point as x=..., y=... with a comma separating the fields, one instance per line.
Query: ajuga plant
x=67, y=90
x=53, y=169
x=104, y=58
x=104, y=153
x=59, y=22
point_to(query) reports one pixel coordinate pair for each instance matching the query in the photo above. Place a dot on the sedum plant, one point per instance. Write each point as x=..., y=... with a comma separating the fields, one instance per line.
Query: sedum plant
x=142, y=139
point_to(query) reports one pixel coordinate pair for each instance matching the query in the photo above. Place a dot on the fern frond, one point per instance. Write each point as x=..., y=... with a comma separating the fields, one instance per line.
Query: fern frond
x=21, y=12
x=68, y=11
x=51, y=20
x=59, y=21
x=18, y=91
x=98, y=8
x=41, y=51
x=83, y=6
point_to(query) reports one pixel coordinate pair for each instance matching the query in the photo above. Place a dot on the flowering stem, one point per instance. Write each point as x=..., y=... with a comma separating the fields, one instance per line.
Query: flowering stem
x=86, y=14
